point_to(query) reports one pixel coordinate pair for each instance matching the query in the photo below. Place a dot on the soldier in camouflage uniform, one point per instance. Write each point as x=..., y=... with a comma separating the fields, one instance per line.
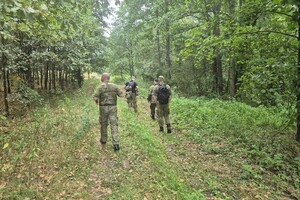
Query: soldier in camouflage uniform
x=163, y=110
x=132, y=89
x=151, y=99
x=106, y=97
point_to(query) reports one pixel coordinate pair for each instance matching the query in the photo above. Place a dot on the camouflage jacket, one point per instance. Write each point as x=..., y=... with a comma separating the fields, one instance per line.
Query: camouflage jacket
x=107, y=94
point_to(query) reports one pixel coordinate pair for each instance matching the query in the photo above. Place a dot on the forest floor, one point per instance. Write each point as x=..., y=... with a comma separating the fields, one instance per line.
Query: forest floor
x=55, y=153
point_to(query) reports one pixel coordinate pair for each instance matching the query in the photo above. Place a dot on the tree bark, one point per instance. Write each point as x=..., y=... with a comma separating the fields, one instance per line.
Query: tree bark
x=168, y=42
x=8, y=82
x=46, y=73
x=232, y=74
x=298, y=80
x=217, y=65
x=160, y=70
x=3, y=67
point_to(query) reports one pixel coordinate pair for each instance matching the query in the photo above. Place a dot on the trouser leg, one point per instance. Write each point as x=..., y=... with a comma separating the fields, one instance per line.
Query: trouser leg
x=134, y=102
x=113, y=119
x=103, y=129
x=152, y=108
x=160, y=118
x=167, y=118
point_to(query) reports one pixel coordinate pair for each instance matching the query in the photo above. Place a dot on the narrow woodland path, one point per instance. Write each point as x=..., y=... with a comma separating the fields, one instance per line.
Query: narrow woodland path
x=154, y=165
x=55, y=153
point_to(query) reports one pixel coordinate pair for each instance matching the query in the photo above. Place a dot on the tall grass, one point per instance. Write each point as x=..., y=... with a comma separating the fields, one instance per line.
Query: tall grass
x=43, y=148
x=261, y=137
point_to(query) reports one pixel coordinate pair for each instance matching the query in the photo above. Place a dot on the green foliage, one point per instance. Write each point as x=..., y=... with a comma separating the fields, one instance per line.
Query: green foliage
x=250, y=173
x=25, y=95
x=256, y=134
x=230, y=117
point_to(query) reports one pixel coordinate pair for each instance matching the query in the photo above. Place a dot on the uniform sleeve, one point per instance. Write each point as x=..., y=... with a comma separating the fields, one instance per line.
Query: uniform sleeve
x=150, y=91
x=155, y=91
x=118, y=91
x=97, y=92
x=169, y=88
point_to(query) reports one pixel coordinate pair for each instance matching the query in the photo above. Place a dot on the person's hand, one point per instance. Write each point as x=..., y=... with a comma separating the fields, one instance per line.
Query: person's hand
x=96, y=100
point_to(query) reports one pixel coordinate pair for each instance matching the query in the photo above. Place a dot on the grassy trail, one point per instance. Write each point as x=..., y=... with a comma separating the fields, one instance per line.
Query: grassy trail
x=55, y=153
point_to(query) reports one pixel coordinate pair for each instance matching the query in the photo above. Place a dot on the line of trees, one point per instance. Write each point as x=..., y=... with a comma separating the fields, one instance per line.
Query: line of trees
x=48, y=44
x=243, y=49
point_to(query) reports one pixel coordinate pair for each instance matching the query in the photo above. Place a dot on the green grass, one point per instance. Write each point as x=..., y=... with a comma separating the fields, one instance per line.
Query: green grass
x=256, y=141
x=218, y=150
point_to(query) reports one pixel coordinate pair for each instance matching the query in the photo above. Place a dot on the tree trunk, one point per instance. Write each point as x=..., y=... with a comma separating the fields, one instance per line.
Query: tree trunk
x=160, y=70
x=8, y=82
x=53, y=78
x=66, y=77
x=46, y=72
x=298, y=81
x=232, y=74
x=168, y=42
x=217, y=65
x=41, y=78
x=3, y=67
x=131, y=64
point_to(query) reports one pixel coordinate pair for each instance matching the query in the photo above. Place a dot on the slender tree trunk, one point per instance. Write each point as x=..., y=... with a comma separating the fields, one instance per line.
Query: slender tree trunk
x=46, y=72
x=61, y=79
x=168, y=42
x=131, y=64
x=8, y=82
x=217, y=65
x=298, y=81
x=41, y=78
x=66, y=77
x=53, y=78
x=3, y=67
x=158, y=45
x=232, y=74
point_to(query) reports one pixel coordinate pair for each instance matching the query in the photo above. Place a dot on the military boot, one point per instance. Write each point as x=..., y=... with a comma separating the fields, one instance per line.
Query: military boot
x=161, y=129
x=116, y=147
x=152, y=116
x=169, y=128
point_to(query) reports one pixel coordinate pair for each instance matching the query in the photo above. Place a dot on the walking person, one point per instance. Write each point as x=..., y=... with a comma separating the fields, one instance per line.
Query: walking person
x=151, y=99
x=162, y=93
x=132, y=89
x=106, y=97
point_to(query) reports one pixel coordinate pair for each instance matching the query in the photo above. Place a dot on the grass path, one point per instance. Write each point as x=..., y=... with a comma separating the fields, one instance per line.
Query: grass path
x=55, y=153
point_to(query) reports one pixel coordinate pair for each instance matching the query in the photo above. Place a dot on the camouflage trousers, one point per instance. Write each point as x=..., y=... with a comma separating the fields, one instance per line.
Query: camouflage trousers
x=163, y=112
x=152, y=108
x=108, y=115
x=132, y=102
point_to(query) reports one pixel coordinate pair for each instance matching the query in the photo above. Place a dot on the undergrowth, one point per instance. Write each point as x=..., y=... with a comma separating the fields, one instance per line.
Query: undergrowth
x=257, y=139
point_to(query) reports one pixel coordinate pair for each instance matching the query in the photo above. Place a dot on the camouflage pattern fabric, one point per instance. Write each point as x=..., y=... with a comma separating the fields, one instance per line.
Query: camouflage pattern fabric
x=107, y=94
x=109, y=114
x=153, y=100
x=163, y=111
x=132, y=101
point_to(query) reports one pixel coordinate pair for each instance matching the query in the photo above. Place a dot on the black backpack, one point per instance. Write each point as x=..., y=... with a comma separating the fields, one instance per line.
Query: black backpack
x=131, y=86
x=163, y=94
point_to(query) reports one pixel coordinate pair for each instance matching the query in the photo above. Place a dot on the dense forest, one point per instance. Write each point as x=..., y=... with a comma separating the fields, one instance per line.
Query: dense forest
x=234, y=70
x=246, y=50
x=234, y=49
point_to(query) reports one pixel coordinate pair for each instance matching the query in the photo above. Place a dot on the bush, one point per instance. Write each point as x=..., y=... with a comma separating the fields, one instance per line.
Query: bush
x=25, y=95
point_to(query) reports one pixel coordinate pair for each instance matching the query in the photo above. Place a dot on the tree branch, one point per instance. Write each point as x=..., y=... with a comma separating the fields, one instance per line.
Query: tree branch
x=277, y=32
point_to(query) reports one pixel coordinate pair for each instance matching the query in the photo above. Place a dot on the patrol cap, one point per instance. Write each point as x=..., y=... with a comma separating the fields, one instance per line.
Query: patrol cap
x=161, y=78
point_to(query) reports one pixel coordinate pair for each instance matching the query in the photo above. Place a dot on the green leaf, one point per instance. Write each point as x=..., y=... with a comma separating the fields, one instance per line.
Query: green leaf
x=6, y=145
